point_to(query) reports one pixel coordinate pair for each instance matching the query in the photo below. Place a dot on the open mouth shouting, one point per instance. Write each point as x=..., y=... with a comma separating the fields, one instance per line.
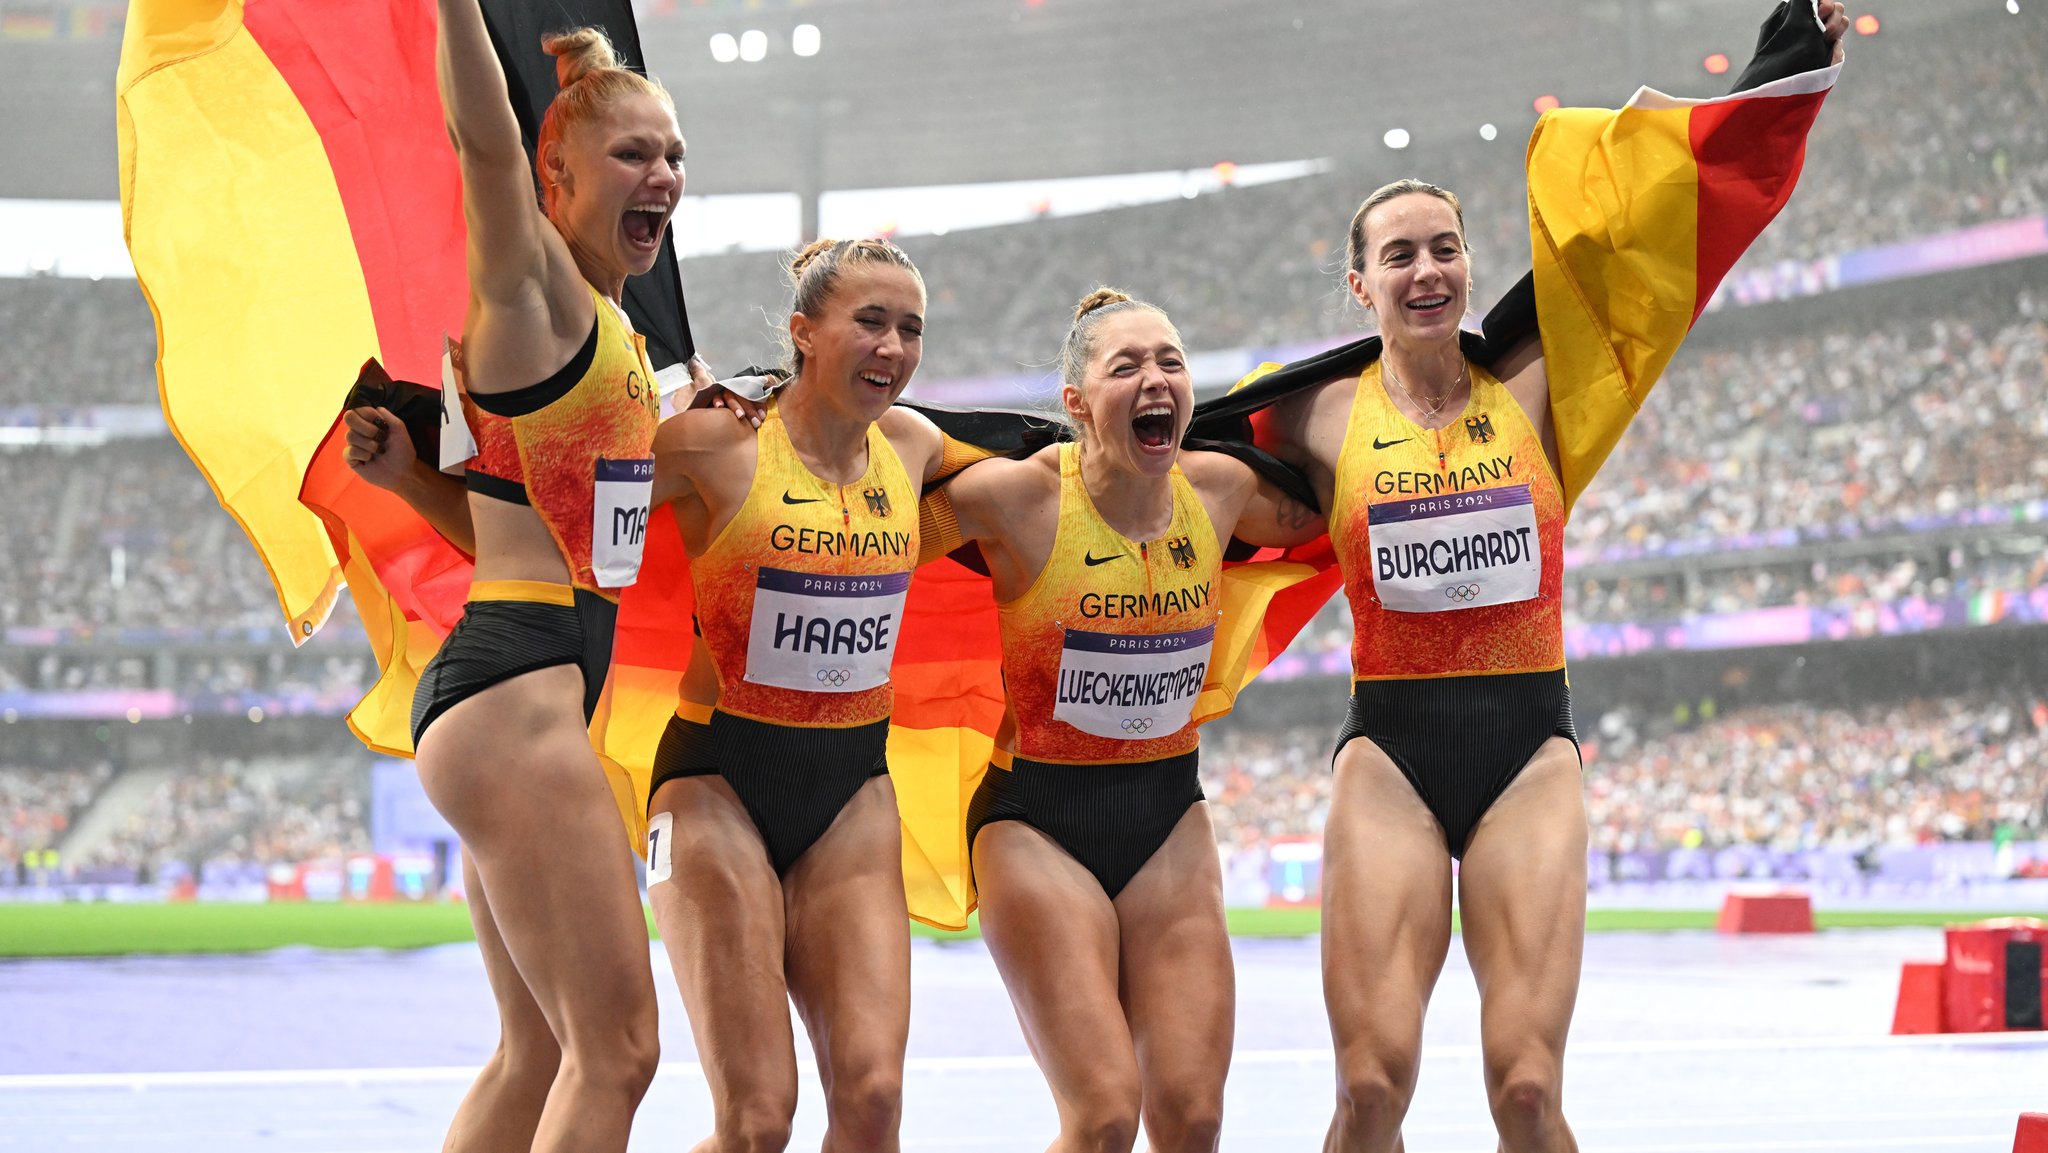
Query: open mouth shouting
x=643, y=225
x=1153, y=426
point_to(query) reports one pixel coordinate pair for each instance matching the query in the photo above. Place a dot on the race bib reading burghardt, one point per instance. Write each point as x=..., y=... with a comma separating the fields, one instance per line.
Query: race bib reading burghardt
x=618, y=528
x=824, y=632
x=1131, y=686
x=1456, y=551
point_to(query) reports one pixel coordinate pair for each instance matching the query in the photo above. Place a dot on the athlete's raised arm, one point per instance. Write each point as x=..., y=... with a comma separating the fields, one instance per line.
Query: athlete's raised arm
x=506, y=253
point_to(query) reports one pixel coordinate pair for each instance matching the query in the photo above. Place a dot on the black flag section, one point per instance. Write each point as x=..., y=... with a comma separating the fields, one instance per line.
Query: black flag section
x=1791, y=41
x=654, y=300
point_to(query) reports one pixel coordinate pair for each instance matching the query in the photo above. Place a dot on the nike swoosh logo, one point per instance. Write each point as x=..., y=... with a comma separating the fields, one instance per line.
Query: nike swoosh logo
x=1091, y=560
x=788, y=499
x=1376, y=443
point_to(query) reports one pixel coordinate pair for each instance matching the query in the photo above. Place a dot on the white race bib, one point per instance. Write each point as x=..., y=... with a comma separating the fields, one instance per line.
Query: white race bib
x=1461, y=550
x=824, y=632
x=1131, y=686
x=661, y=829
x=458, y=443
x=618, y=527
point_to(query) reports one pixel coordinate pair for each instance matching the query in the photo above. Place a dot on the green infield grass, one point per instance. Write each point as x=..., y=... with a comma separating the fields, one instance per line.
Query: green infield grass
x=86, y=930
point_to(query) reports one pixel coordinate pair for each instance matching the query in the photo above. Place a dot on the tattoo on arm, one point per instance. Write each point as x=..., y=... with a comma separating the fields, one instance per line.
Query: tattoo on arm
x=1292, y=515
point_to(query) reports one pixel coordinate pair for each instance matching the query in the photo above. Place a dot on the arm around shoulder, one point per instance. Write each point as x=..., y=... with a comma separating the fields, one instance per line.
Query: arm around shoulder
x=1266, y=515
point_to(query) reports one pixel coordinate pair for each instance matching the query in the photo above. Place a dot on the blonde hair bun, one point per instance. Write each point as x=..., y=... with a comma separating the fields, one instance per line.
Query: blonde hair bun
x=1100, y=298
x=579, y=52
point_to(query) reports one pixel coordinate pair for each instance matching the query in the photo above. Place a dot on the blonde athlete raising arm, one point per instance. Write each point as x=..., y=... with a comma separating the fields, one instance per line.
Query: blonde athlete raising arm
x=563, y=402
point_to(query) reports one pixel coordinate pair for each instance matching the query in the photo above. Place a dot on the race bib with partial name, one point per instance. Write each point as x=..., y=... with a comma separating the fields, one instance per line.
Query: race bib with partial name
x=618, y=529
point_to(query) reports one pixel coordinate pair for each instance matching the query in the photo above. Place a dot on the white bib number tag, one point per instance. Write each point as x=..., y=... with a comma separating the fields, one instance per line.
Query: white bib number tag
x=1457, y=551
x=824, y=632
x=661, y=829
x=458, y=443
x=1131, y=686
x=618, y=527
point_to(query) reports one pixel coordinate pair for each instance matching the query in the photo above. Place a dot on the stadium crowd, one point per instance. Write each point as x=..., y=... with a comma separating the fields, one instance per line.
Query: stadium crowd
x=1784, y=777
x=1843, y=433
x=37, y=808
x=227, y=810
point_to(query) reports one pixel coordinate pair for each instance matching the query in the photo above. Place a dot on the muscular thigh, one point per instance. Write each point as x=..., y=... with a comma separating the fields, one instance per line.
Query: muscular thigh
x=1386, y=900
x=848, y=947
x=720, y=913
x=1522, y=896
x=513, y=771
x=1179, y=986
x=1054, y=936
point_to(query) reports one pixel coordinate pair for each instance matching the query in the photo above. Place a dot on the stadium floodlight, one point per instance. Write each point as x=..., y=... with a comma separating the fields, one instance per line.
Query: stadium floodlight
x=753, y=46
x=806, y=40
x=1546, y=104
x=1868, y=24
x=1488, y=132
x=724, y=48
x=2012, y=6
x=1715, y=64
x=1396, y=138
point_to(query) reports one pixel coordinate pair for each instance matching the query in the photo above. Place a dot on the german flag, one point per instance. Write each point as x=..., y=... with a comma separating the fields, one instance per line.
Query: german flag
x=292, y=206
x=1635, y=215
x=293, y=209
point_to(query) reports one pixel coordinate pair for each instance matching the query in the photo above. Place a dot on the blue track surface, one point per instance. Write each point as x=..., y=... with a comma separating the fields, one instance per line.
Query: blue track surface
x=1683, y=1043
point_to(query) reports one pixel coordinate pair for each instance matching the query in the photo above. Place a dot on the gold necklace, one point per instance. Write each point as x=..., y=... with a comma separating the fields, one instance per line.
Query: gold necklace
x=1429, y=413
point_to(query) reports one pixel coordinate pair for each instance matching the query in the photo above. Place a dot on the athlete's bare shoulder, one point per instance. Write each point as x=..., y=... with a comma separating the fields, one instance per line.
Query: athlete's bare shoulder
x=1217, y=472
x=701, y=431
x=916, y=440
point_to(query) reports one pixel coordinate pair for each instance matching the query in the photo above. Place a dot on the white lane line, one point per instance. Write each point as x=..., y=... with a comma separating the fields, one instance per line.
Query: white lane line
x=1009, y=1062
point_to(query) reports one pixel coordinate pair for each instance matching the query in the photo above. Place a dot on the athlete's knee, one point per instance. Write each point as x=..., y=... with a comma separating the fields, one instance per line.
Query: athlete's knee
x=1526, y=1096
x=1106, y=1121
x=622, y=1061
x=1373, y=1091
x=1184, y=1121
x=757, y=1127
x=866, y=1108
x=526, y=1064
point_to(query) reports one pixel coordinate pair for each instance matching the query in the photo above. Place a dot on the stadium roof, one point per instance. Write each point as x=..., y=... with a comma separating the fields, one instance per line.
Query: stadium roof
x=909, y=92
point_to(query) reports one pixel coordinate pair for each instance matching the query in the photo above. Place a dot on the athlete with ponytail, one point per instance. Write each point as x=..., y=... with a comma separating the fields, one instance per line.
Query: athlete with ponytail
x=774, y=847
x=1101, y=894
x=562, y=400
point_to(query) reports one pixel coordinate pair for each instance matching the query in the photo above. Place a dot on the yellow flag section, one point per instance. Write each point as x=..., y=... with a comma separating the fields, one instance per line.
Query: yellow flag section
x=238, y=234
x=1634, y=217
x=292, y=207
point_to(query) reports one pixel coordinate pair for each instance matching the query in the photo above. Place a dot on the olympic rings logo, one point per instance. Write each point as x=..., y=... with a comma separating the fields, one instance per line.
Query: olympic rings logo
x=1137, y=724
x=1467, y=592
x=834, y=677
